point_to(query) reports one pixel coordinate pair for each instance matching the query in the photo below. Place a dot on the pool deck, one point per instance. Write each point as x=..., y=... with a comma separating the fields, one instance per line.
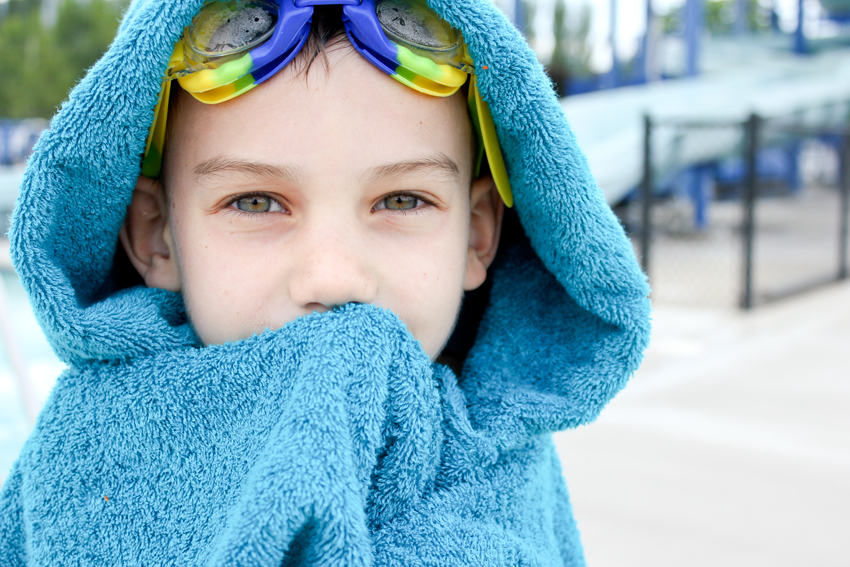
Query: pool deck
x=730, y=447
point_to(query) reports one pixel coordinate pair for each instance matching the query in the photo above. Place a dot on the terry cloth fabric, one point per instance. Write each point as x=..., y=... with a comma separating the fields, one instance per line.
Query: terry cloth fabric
x=333, y=440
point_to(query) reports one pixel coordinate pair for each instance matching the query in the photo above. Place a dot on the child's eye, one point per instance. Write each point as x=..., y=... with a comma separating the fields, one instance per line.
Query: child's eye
x=256, y=204
x=400, y=202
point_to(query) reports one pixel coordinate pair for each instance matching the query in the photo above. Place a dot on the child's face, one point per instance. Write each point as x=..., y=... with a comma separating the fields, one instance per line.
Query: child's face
x=310, y=193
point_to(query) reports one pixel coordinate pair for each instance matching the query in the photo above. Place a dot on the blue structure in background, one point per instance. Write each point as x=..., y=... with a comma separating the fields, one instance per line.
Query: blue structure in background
x=520, y=15
x=693, y=16
x=699, y=185
x=17, y=137
x=800, y=33
x=741, y=17
x=781, y=164
x=697, y=182
x=611, y=79
x=837, y=11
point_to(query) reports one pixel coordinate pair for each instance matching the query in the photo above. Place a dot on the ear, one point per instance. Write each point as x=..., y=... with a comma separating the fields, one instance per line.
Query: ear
x=146, y=237
x=486, y=210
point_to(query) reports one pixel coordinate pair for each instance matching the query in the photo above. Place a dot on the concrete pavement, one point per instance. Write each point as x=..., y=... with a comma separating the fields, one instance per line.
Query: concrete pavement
x=730, y=447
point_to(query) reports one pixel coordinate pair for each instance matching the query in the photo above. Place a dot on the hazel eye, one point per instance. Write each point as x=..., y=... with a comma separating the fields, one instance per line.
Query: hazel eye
x=400, y=202
x=257, y=204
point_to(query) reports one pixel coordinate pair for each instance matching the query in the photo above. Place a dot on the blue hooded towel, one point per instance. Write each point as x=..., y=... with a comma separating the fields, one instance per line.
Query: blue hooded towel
x=332, y=440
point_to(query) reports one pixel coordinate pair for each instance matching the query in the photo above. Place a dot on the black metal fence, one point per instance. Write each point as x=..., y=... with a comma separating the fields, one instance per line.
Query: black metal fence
x=743, y=213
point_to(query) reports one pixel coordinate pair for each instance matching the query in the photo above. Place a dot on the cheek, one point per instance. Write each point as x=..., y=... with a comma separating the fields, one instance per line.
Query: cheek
x=226, y=282
x=433, y=263
x=423, y=284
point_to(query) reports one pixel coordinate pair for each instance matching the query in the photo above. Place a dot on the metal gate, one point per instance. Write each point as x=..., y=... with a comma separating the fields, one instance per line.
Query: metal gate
x=743, y=213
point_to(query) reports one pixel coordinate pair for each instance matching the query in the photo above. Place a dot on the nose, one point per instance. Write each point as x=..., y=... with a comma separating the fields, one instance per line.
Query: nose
x=332, y=269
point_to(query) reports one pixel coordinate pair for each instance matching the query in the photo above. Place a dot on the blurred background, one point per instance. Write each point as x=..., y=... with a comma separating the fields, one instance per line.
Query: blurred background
x=719, y=132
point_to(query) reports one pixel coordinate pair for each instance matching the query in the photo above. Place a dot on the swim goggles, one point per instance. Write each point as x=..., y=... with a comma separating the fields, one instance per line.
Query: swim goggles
x=232, y=46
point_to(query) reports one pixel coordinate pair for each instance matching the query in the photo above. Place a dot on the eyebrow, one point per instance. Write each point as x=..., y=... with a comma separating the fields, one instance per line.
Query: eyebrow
x=438, y=163
x=220, y=165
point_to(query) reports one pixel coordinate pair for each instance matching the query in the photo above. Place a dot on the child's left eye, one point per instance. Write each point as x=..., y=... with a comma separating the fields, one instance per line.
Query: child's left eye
x=400, y=202
x=256, y=204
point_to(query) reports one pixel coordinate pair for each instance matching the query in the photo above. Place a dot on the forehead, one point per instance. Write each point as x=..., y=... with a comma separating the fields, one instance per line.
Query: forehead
x=340, y=115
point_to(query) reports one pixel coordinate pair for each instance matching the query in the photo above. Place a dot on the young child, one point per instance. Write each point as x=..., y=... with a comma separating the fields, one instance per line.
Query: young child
x=271, y=357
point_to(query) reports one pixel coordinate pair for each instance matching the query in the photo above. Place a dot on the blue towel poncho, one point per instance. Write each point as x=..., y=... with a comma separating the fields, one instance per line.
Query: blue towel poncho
x=332, y=440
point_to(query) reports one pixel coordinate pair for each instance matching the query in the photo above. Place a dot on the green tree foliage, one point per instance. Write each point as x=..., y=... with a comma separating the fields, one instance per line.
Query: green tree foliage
x=39, y=65
x=720, y=16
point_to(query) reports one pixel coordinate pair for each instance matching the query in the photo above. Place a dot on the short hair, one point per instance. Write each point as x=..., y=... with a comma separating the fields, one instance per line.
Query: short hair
x=326, y=33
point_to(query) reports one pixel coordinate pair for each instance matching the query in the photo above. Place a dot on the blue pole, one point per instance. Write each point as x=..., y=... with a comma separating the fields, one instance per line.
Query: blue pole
x=741, y=17
x=699, y=190
x=799, y=36
x=519, y=15
x=5, y=131
x=793, y=157
x=693, y=29
x=648, y=52
x=612, y=78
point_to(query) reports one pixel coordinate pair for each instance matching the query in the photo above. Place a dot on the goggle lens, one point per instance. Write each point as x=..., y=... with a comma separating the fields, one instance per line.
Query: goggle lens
x=223, y=31
x=413, y=24
x=223, y=28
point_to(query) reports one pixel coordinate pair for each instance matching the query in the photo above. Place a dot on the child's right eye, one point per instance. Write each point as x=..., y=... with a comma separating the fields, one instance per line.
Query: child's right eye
x=258, y=203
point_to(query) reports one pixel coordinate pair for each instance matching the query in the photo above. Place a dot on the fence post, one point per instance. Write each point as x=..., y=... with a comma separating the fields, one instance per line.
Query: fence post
x=751, y=129
x=844, y=187
x=646, y=195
